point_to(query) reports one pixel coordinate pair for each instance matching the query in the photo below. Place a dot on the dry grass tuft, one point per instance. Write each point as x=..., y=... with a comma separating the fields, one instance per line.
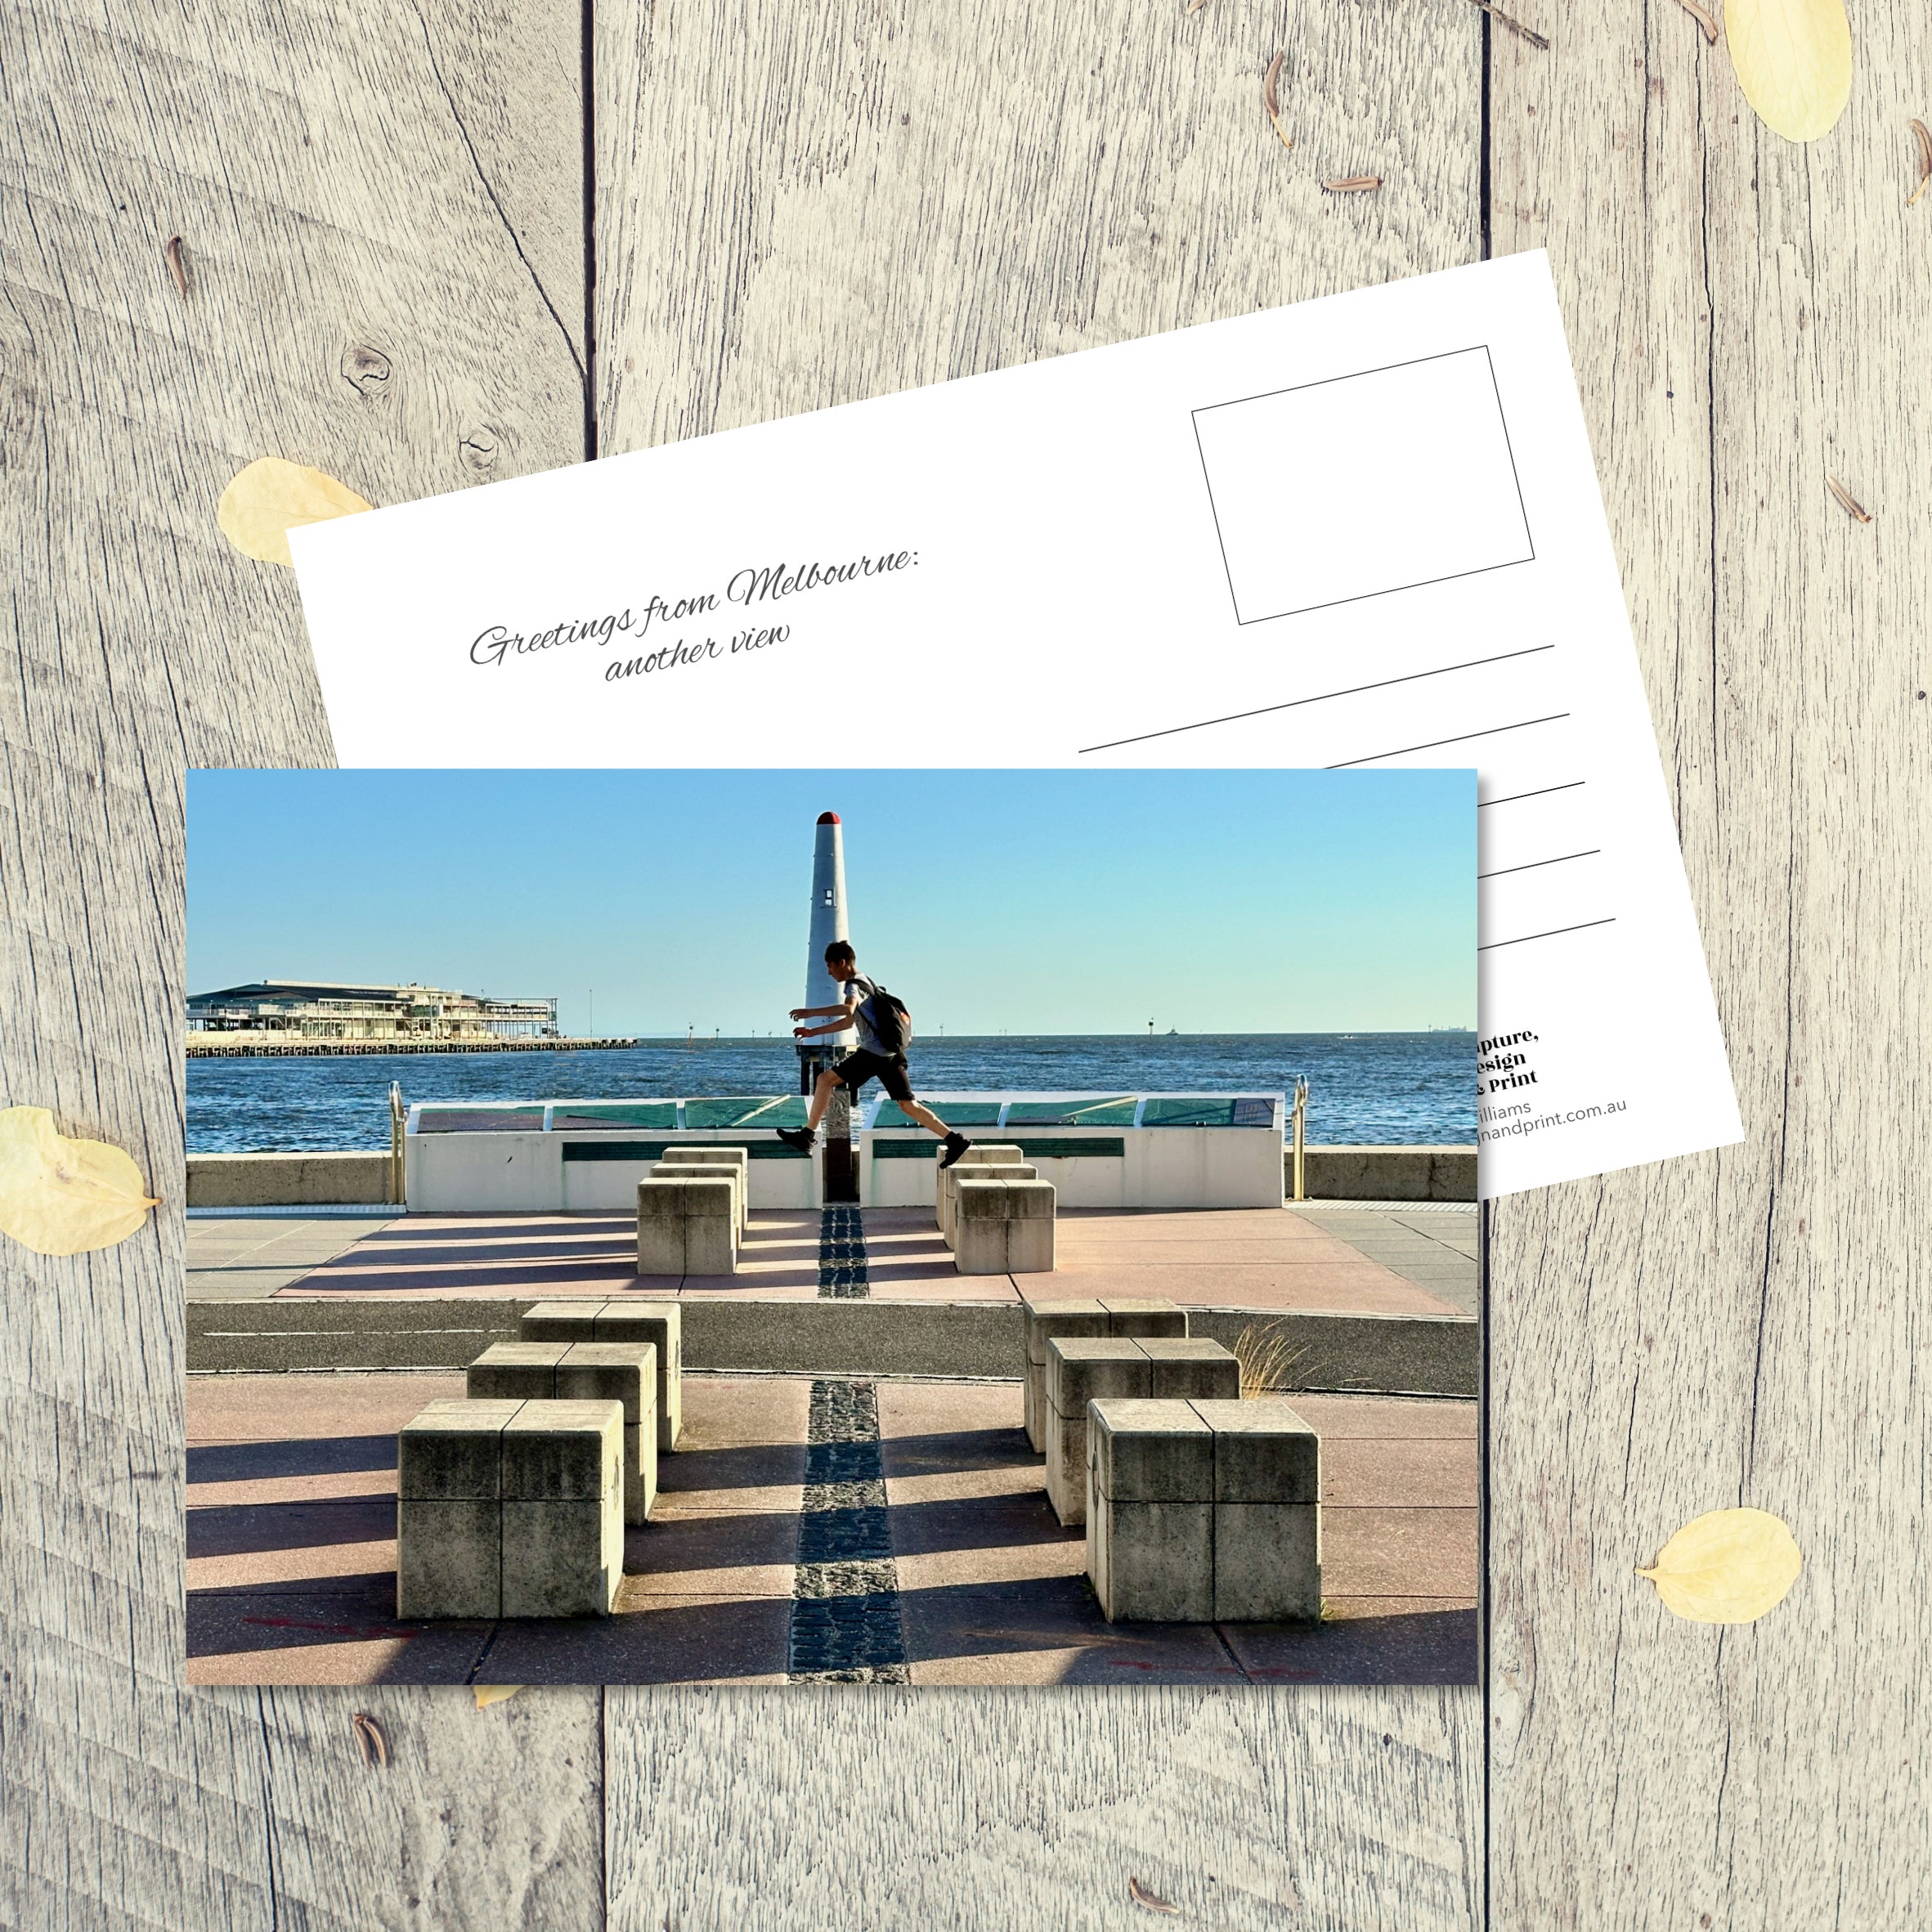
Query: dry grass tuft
x=1271, y=1362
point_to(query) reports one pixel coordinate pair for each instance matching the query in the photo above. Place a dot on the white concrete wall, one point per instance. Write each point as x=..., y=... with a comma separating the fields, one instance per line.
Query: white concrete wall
x=526, y=1174
x=1169, y=1166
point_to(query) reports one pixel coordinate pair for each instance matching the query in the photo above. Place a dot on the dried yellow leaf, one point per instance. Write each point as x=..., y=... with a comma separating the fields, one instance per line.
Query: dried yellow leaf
x=495, y=1693
x=1729, y=1566
x=270, y=497
x=1794, y=61
x=65, y=1197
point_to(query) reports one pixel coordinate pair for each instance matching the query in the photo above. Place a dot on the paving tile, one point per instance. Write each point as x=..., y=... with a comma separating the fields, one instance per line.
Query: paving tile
x=1363, y=1640
x=696, y=1638
x=1378, y=1552
x=1387, y=1415
x=1049, y=1630
x=293, y=1637
x=1394, y=1470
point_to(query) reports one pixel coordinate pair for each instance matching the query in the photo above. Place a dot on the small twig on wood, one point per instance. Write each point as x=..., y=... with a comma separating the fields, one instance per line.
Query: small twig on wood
x=1271, y=101
x=1352, y=184
x=368, y=1735
x=177, y=266
x=1703, y=19
x=1152, y=1900
x=1851, y=504
x=1528, y=34
x=1923, y=136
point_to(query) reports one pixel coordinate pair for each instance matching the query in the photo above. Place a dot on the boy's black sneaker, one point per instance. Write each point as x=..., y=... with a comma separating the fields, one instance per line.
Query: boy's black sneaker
x=801, y=1138
x=955, y=1145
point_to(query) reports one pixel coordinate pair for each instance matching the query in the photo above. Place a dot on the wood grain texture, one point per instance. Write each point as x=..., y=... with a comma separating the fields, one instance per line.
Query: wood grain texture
x=803, y=205
x=1253, y=1810
x=1747, y=1327
x=356, y=300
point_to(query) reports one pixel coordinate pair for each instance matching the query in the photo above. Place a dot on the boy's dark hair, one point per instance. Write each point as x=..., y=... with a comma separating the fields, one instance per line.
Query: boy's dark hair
x=839, y=953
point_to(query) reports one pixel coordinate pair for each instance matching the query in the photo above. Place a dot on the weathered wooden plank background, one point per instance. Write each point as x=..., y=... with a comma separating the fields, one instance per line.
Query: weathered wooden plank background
x=793, y=203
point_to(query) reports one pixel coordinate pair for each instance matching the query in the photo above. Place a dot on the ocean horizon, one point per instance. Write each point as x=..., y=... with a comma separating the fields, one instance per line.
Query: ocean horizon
x=1374, y=1088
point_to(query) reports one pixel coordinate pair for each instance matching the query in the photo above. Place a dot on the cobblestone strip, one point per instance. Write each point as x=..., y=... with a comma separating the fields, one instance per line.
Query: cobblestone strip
x=841, y=1257
x=845, y=1613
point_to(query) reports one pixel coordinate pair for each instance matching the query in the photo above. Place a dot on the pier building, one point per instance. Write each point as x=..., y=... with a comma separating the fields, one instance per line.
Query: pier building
x=323, y=1009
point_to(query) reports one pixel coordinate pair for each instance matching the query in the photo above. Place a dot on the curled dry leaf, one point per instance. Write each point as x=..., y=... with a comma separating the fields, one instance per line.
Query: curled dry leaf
x=176, y=265
x=1515, y=26
x=1923, y=136
x=1729, y=1566
x=1794, y=61
x=1703, y=19
x=1852, y=506
x=1352, y=184
x=368, y=1736
x=1271, y=98
x=1152, y=1900
x=270, y=497
x=495, y=1693
x=65, y=1197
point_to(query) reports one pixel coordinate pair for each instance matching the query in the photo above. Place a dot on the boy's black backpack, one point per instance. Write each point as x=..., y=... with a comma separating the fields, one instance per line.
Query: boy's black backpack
x=885, y=1014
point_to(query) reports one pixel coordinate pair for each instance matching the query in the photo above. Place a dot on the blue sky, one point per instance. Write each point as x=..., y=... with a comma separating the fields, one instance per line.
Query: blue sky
x=1043, y=902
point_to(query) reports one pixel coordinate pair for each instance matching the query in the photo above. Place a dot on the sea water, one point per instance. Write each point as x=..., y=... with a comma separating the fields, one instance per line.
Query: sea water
x=1380, y=1088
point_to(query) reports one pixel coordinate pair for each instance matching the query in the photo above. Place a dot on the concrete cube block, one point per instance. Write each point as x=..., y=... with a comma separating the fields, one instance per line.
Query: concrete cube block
x=731, y=1171
x=1002, y=1227
x=700, y=1152
x=625, y=1373
x=560, y=1321
x=1267, y=1562
x=1191, y=1365
x=562, y=1509
x=453, y=1451
x=1152, y=1562
x=1080, y=1369
x=984, y=1153
x=660, y=1323
x=563, y=1559
x=449, y=1557
x=515, y=1371
x=1150, y=1452
x=951, y=1177
x=562, y=1451
x=1264, y=1452
x=687, y=1226
x=989, y=1170
x=449, y=1486
x=1130, y=1315
x=1065, y=1316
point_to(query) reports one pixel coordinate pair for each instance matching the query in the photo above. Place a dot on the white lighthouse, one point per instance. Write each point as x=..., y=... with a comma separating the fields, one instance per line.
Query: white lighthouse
x=827, y=923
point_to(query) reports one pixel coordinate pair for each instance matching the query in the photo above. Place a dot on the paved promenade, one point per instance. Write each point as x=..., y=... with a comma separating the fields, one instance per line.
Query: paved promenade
x=1388, y=1261
x=932, y=1558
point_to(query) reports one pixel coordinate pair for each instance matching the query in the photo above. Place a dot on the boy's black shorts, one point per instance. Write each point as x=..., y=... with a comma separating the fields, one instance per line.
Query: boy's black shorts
x=856, y=1068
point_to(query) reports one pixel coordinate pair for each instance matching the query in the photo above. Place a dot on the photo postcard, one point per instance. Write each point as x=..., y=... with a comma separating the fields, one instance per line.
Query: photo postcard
x=775, y=1228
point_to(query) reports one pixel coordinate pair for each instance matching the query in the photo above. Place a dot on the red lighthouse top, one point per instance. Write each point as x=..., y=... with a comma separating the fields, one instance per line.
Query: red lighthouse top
x=828, y=817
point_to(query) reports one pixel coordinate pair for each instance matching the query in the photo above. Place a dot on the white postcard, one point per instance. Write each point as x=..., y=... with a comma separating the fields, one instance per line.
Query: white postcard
x=1363, y=530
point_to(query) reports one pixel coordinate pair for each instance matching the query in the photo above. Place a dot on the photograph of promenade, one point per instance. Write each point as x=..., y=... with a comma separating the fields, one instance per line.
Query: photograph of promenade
x=1006, y=1227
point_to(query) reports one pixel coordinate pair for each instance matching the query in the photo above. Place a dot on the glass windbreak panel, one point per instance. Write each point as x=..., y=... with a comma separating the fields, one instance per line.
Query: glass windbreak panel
x=479, y=1120
x=773, y=1110
x=953, y=1113
x=566, y=1114
x=1257, y=1112
x=1207, y=1111
x=1115, y=1112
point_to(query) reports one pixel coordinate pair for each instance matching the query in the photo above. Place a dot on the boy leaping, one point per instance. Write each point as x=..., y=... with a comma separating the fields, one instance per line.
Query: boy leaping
x=883, y=1027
